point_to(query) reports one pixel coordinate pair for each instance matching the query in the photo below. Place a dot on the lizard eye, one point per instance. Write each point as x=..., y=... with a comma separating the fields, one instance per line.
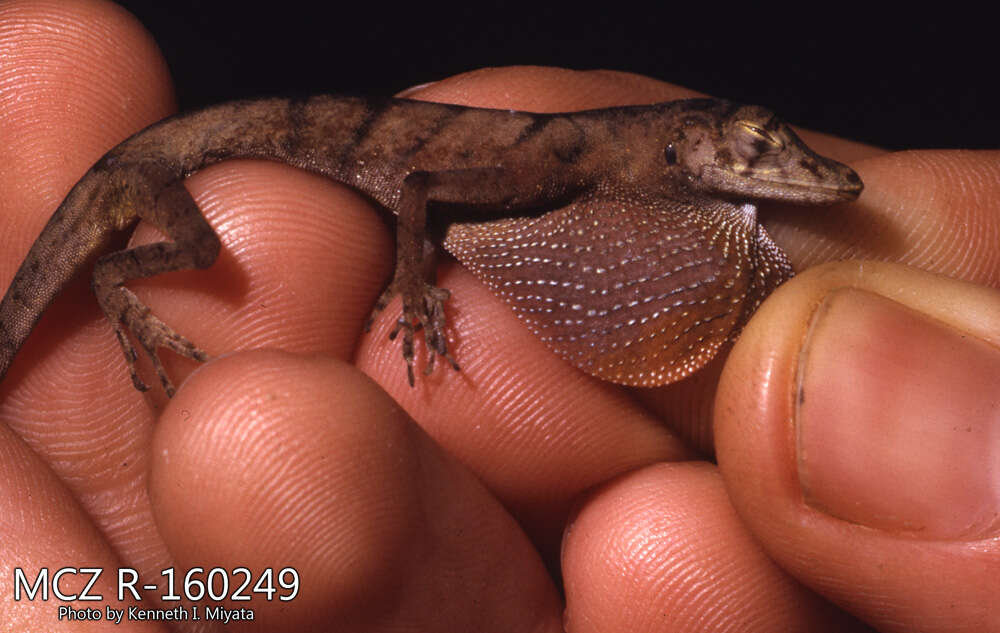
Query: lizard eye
x=670, y=153
x=760, y=133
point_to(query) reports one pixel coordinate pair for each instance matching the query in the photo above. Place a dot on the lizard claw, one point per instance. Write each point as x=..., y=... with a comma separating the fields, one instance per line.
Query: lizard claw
x=424, y=310
x=130, y=357
x=407, y=328
x=152, y=334
x=434, y=322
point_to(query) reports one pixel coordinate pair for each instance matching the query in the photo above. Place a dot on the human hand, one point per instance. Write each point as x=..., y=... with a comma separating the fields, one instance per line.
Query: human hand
x=295, y=458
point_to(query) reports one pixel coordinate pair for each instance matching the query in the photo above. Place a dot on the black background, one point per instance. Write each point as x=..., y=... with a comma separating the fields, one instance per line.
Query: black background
x=918, y=80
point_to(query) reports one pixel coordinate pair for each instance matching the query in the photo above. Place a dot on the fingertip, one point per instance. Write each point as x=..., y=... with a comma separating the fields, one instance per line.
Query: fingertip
x=662, y=550
x=276, y=470
x=547, y=89
x=69, y=94
x=827, y=436
x=54, y=556
x=302, y=260
x=267, y=460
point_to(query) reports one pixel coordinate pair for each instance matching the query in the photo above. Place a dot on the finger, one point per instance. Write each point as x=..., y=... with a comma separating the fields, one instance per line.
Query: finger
x=661, y=549
x=855, y=430
x=302, y=261
x=267, y=460
x=548, y=89
x=60, y=571
x=65, y=83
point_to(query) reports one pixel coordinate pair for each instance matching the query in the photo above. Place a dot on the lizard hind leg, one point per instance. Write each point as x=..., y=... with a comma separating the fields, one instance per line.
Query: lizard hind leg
x=194, y=245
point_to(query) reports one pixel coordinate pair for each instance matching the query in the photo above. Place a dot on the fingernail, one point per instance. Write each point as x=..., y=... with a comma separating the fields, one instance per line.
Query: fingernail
x=898, y=420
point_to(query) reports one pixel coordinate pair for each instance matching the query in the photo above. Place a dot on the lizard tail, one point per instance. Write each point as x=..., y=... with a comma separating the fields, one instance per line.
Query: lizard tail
x=69, y=241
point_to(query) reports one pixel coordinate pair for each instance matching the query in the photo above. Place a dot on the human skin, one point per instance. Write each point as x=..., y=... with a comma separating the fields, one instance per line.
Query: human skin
x=447, y=507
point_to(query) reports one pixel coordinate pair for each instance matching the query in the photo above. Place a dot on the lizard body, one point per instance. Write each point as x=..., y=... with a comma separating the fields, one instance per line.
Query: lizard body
x=625, y=237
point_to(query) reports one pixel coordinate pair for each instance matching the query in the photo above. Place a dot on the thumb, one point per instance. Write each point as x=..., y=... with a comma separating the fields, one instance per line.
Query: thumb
x=858, y=431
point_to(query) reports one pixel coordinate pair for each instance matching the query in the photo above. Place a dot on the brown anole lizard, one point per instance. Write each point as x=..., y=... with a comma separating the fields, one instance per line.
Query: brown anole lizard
x=626, y=238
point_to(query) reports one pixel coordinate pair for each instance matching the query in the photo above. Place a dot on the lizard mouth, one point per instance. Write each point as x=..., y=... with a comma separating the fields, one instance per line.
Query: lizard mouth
x=797, y=190
x=839, y=184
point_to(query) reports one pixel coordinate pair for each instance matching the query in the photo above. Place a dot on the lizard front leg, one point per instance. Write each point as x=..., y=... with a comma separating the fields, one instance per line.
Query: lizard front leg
x=195, y=245
x=414, y=279
x=493, y=190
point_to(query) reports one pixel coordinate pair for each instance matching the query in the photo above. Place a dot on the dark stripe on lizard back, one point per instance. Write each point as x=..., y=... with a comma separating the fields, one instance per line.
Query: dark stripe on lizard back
x=298, y=121
x=375, y=110
x=538, y=124
x=440, y=125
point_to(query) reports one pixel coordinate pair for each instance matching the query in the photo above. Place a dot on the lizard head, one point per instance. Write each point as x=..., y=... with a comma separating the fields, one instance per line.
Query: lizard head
x=746, y=152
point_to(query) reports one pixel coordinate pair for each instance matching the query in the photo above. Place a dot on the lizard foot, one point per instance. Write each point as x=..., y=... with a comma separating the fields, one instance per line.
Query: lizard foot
x=422, y=309
x=152, y=334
